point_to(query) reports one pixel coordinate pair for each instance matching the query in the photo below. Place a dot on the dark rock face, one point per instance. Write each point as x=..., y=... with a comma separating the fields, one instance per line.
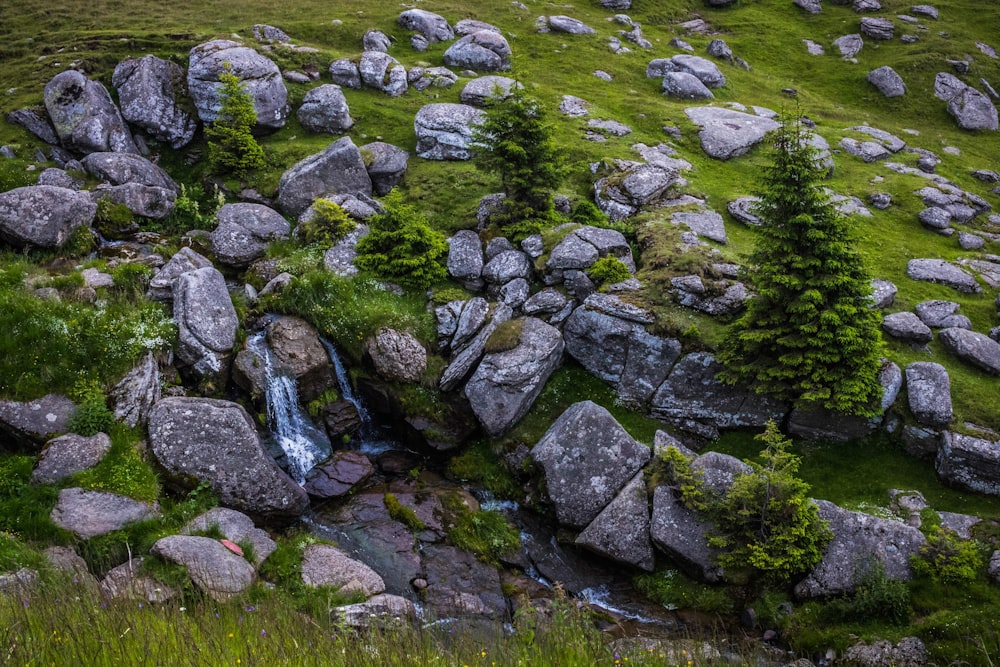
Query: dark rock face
x=29, y=424
x=338, y=169
x=206, y=322
x=43, y=216
x=976, y=348
x=587, y=457
x=259, y=77
x=929, y=389
x=344, y=471
x=214, y=569
x=683, y=536
x=621, y=530
x=201, y=439
x=506, y=384
x=91, y=513
x=244, y=231
x=459, y=584
x=149, y=89
x=298, y=351
x=386, y=166
x=84, y=117
x=69, y=454
x=969, y=463
x=858, y=539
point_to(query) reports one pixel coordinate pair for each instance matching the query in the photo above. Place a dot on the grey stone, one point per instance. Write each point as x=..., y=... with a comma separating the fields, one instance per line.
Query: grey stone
x=397, y=355
x=706, y=224
x=743, y=210
x=925, y=10
x=444, y=131
x=483, y=51
x=909, y=652
x=432, y=26
x=141, y=200
x=29, y=424
x=135, y=394
x=462, y=363
x=506, y=384
x=907, y=327
x=59, y=178
x=338, y=476
x=574, y=107
x=244, y=231
x=149, y=92
x=458, y=584
x=869, y=151
x=376, y=40
x=259, y=77
x=35, y=120
x=685, y=86
x=947, y=86
x=483, y=88
x=587, y=458
x=725, y=133
x=888, y=82
x=161, y=285
x=386, y=165
x=973, y=110
x=813, y=48
x=940, y=314
x=969, y=463
x=122, y=168
x=858, y=540
x=126, y=583
x=935, y=218
x=66, y=561
x=849, y=45
x=326, y=565
x=324, y=109
x=214, y=569
x=84, y=117
x=945, y=273
x=544, y=302
x=380, y=607
x=515, y=292
x=570, y=25
x=43, y=216
x=206, y=321
x=69, y=454
x=621, y=530
x=863, y=6
x=297, y=350
x=683, y=536
x=718, y=471
x=883, y=293
x=88, y=514
x=468, y=26
x=382, y=72
x=268, y=33
x=465, y=259
x=890, y=141
x=474, y=314
x=633, y=187
x=207, y=440
x=338, y=169
x=507, y=266
x=718, y=48
x=967, y=241
x=345, y=73
x=975, y=348
x=704, y=70
x=877, y=28
x=236, y=527
x=929, y=389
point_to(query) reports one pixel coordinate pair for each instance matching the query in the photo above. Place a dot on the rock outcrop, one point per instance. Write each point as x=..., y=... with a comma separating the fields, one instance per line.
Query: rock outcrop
x=85, y=118
x=149, y=90
x=43, y=216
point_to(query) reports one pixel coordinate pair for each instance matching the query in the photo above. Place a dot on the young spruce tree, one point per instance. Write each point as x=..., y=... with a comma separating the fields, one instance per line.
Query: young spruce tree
x=515, y=143
x=810, y=334
x=231, y=144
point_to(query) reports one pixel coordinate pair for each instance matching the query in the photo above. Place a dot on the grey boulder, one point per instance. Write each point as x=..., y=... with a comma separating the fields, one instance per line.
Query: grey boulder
x=397, y=355
x=29, y=424
x=338, y=169
x=465, y=259
x=483, y=51
x=683, y=536
x=432, y=26
x=444, y=130
x=725, y=133
x=84, y=116
x=383, y=72
x=43, y=216
x=977, y=349
x=877, y=28
x=621, y=530
x=324, y=110
x=122, y=168
x=942, y=272
x=386, y=165
x=929, y=390
x=326, y=565
x=298, y=351
x=907, y=327
x=973, y=110
x=969, y=463
x=207, y=440
x=259, y=77
x=506, y=384
x=484, y=88
x=235, y=527
x=587, y=458
x=88, y=514
x=214, y=569
x=849, y=45
x=570, y=25
x=149, y=92
x=135, y=394
x=161, y=285
x=69, y=454
x=887, y=81
x=206, y=322
x=685, y=86
x=243, y=232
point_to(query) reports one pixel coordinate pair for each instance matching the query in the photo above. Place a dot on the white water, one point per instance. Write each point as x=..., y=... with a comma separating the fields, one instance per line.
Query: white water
x=599, y=597
x=304, y=444
x=371, y=440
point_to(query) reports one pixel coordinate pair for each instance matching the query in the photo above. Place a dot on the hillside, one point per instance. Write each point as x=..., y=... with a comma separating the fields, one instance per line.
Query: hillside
x=479, y=378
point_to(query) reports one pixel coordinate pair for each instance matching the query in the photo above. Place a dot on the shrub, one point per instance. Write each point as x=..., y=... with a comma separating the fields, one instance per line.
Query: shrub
x=328, y=224
x=112, y=219
x=92, y=415
x=876, y=599
x=402, y=247
x=487, y=534
x=673, y=590
x=947, y=558
x=231, y=144
x=608, y=270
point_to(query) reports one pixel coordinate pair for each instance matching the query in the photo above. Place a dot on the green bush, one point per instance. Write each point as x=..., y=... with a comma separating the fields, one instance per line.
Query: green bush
x=876, y=599
x=485, y=533
x=674, y=590
x=112, y=220
x=231, y=144
x=402, y=247
x=92, y=415
x=131, y=280
x=608, y=270
x=328, y=224
x=25, y=507
x=947, y=558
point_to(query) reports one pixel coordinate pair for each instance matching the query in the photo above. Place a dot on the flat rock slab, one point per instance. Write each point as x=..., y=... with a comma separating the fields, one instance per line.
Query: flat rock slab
x=91, y=513
x=214, y=569
x=944, y=273
x=69, y=454
x=344, y=471
x=726, y=134
x=29, y=424
x=621, y=530
x=908, y=327
x=326, y=565
x=976, y=348
x=236, y=527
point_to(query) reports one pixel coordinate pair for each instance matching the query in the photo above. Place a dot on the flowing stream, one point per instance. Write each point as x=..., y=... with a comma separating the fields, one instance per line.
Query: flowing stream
x=371, y=439
x=304, y=445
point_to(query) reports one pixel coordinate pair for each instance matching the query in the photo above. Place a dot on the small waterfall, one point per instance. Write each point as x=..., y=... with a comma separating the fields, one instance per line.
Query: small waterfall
x=372, y=441
x=304, y=444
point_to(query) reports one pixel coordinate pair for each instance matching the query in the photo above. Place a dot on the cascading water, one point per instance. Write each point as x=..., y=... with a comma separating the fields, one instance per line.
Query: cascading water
x=304, y=444
x=370, y=438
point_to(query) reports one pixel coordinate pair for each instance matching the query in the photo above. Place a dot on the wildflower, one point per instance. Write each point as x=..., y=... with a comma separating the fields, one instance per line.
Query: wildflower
x=250, y=608
x=263, y=633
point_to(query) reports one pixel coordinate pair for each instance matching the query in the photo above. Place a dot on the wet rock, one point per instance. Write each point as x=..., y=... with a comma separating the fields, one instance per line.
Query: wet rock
x=725, y=133
x=397, y=355
x=929, y=389
x=975, y=348
x=344, y=471
x=586, y=443
x=326, y=565
x=683, y=536
x=69, y=454
x=207, y=440
x=298, y=351
x=483, y=51
x=907, y=327
x=43, y=216
x=858, y=540
x=84, y=117
x=236, y=527
x=244, y=231
x=506, y=384
x=338, y=169
x=214, y=569
x=259, y=77
x=149, y=91
x=459, y=584
x=621, y=530
x=206, y=322
x=324, y=110
x=88, y=514
x=444, y=131
x=29, y=424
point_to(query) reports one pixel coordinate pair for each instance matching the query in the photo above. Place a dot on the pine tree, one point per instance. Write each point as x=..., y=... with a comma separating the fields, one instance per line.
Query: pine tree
x=810, y=334
x=231, y=144
x=515, y=143
x=402, y=246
